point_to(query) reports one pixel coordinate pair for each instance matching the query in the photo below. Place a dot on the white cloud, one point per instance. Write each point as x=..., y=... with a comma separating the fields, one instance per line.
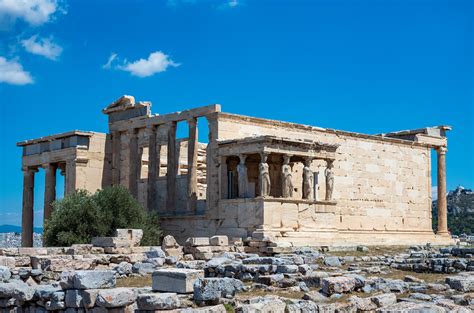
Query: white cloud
x=42, y=46
x=11, y=72
x=108, y=65
x=156, y=62
x=34, y=12
x=230, y=4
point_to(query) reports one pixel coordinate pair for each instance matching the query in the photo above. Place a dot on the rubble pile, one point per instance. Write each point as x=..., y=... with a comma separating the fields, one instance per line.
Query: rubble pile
x=221, y=275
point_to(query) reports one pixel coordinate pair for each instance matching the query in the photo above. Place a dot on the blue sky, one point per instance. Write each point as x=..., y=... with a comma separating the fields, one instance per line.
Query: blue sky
x=364, y=66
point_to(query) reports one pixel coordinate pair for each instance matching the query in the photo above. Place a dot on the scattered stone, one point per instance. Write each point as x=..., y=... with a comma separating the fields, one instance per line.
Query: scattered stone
x=158, y=301
x=197, y=241
x=116, y=297
x=332, y=261
x=461, y=283
x=212, y=289
x=341, y=284
x=94, y=279
x=175, y=280
x=219, y=241
x=5, y=273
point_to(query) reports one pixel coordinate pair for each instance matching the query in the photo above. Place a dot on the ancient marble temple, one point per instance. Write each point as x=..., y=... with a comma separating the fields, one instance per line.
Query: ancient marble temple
x=265, y=179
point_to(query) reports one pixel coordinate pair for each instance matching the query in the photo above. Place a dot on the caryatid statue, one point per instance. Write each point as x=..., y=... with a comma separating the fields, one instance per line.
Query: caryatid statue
x=242, y=176
x=307, y=179
x=264, y=176
x=329, y=179
x=286, y=183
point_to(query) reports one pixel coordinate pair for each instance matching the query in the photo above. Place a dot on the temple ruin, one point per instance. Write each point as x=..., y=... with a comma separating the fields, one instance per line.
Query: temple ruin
x=276, y=181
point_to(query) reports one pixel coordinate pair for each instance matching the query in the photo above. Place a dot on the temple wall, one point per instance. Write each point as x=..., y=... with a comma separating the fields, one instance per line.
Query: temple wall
x=380, y=185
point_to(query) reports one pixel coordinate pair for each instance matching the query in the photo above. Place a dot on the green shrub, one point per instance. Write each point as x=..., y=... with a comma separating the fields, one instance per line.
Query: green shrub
x=80, y=216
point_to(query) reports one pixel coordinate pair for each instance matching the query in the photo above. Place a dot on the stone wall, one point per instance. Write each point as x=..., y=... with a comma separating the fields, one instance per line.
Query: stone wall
x=381, y=185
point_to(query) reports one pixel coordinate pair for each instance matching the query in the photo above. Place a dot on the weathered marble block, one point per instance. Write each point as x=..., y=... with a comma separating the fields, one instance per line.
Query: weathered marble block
x=219, y=241
x=113, y=242
x=175, y=280
x=134, y=236
x=117, y=297
x=197, y=241
x=158, y=301
x=94, y=279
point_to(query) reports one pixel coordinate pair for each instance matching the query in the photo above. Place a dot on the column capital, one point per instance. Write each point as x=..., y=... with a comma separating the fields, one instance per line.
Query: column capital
x=29, y=170
x=48, y=166
x=263, y=157
x=192, y=121
x=441, y=150
x=242, y=158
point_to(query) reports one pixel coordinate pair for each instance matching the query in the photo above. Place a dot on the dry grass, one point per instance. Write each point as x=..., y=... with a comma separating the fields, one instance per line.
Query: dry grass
x=427, y=277
x=261, y=293
x=373, y=251
x=135, y=281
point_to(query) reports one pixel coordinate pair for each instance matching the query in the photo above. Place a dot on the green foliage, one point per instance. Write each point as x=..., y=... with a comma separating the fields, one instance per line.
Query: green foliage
x=229, y=308
x=80, y=216
x=462, y=223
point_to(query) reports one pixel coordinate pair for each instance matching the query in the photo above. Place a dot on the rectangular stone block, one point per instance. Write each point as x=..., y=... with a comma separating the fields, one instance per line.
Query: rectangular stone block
x=94, y=279
x=134, y=236
x=7, y=261
x=175, y=280
x=113, y=242
x=219, y=241
x=197, y=241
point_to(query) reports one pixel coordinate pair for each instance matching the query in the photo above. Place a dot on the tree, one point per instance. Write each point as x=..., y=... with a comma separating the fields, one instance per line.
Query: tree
x=80, y=216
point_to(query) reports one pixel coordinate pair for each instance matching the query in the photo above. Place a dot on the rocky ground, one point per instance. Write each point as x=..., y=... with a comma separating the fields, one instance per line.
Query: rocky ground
x=213, y=275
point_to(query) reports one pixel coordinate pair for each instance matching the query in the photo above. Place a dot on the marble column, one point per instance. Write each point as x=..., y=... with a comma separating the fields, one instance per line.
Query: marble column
x=49, y=190
x=224, y=177
x=442, y=205
x=27, y=210
x=70, y=177
x=243, y=177
x=134, y=167
x=172, y=169
x=192, y=164
x=153, y=169
x=116, y=148
x=212, y=163
x=62, y=171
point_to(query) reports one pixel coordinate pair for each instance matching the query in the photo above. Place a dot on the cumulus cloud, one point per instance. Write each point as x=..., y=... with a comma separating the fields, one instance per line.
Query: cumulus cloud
x=42, y=46
x=34, y=12
x=12, y=72
x=111, y=59
x=156, y=62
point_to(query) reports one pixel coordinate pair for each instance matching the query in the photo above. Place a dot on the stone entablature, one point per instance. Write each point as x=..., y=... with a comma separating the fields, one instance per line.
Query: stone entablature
x=254, y=177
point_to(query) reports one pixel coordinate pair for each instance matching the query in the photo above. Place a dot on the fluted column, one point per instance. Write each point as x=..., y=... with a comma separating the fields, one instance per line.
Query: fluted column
x=27, y=210
x=172, y=169
x=442, y=205
x=192, y=164
x=70, y=178
x=242, y=177
x=116, y=147
x=49, y=190
x=153, y=169
x=134, y=163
